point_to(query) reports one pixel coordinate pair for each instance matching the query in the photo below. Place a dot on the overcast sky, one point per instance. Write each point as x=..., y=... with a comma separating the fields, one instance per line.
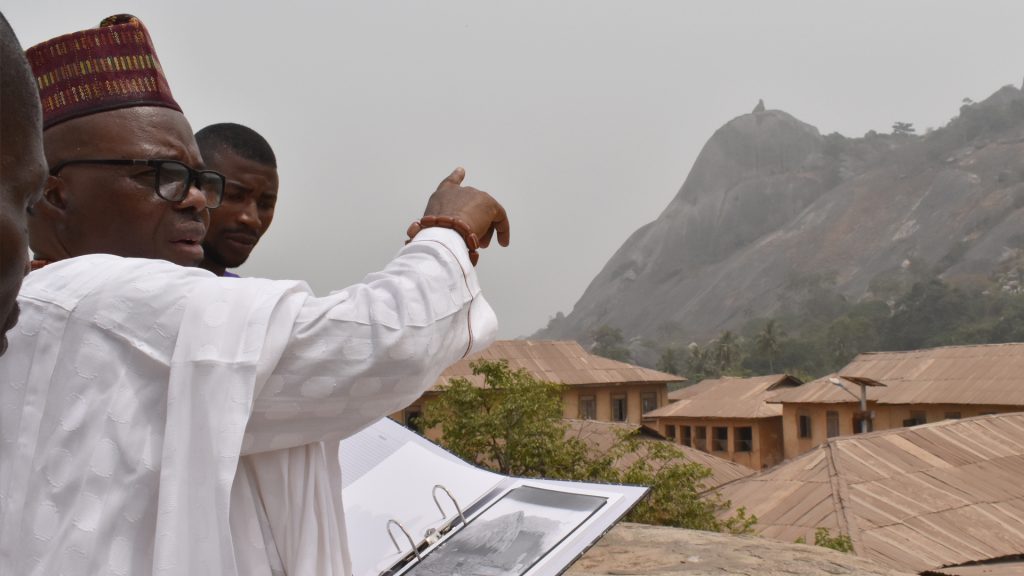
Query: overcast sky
x=582, y=117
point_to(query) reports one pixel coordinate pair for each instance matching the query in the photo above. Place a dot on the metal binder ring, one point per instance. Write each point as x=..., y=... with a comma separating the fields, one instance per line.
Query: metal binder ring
x=450, y=497
x=404, y=531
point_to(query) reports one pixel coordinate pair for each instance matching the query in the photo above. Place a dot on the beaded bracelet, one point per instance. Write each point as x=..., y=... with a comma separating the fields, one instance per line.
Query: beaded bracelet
x=452, y=223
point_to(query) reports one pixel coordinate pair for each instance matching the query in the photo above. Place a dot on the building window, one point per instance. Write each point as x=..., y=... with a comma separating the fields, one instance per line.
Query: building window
x=832, y=424
x=687, y=438
x=618, y=407
x=719, y=439
x=744, y=439
x=701, y=440
x=952, y=416
x=588, y=407
x=412, y=418
x=648, y=401
x=916, y=417
x=803, y=421
x=670, y=431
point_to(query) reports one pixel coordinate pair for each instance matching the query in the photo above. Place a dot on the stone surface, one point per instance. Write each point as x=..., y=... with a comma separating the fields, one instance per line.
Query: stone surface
x=641, y=550
x=772, y=210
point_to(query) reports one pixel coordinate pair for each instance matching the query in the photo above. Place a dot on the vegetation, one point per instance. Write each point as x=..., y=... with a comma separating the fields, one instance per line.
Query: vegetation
x=513, y=424
x=822, y=331
x=823, y=537
x=609, y=342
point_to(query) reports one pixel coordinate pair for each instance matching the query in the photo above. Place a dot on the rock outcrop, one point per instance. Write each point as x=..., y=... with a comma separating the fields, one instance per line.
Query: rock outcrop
x=772, y=207
x=641, y=550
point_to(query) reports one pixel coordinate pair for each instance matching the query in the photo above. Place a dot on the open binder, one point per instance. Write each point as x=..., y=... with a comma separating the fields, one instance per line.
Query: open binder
x=414, y=509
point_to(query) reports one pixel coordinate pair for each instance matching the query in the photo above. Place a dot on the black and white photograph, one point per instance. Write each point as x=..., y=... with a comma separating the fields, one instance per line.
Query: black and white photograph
x=512, y=535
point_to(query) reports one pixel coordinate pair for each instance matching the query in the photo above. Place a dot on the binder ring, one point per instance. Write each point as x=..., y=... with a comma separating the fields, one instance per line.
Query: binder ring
x=395, y=542
x=450, y=497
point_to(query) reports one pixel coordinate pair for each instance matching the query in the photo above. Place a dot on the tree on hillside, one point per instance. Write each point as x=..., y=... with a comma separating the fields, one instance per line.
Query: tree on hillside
x=513, y=424
x=768, y=341
x=699, y=362
x=671, y=361
x=903, y=129
x=726, y=351
x=609, y=342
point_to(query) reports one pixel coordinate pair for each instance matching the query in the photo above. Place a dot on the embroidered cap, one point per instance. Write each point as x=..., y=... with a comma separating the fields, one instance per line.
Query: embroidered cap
x=105, y=68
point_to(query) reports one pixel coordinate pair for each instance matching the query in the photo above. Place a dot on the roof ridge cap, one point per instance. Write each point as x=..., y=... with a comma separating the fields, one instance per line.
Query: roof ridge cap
x=841, y=499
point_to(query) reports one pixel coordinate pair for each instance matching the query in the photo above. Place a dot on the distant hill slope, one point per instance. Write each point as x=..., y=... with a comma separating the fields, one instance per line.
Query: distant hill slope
x=772, y=208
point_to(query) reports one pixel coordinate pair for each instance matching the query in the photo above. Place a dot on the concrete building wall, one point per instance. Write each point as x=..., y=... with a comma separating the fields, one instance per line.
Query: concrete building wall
x=887, y=416
x=766, y=438
x=571, y=403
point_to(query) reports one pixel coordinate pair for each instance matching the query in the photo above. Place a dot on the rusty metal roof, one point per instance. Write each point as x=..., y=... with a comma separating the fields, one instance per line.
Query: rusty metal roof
x=915, y=499
x=602, y=435
x=991, y=374
x=561, y=361
x=727, y=398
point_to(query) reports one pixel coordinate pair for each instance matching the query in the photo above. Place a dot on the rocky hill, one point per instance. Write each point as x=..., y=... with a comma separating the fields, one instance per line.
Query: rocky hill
x=772, y=209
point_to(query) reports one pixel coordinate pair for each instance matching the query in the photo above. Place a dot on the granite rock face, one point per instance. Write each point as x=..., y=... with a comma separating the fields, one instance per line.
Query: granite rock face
x=772, y=207
x=641, y=550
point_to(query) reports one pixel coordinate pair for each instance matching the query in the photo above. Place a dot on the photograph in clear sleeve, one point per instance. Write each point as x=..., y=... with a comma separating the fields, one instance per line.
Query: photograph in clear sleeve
x=512, y=535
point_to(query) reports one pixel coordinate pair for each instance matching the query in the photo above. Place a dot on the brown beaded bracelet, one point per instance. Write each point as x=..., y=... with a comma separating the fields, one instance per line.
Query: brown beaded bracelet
x=452, y=223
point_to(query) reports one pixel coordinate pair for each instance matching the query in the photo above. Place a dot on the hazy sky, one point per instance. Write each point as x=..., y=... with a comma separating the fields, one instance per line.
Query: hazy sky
x=582, y=117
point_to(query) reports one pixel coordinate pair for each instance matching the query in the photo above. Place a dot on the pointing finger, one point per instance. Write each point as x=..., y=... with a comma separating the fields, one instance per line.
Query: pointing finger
x=453, y=179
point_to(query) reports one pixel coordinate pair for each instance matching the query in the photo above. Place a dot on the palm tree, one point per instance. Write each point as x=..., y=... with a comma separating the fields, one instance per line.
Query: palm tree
x=727, y=350
x=767, y=342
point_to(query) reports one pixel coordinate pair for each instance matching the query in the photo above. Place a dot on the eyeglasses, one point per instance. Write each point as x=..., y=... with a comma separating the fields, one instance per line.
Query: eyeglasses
x=173, y=178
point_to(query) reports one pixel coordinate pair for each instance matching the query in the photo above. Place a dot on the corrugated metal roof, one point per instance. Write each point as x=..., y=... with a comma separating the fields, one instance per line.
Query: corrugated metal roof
x=991, y=374
x=727, y=398
x=915, y=499
x=561, y=361
x=1010, y=568
x=602, y=435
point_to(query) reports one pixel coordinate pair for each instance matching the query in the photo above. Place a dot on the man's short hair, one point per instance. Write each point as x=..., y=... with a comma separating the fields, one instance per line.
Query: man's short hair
x=241, y=140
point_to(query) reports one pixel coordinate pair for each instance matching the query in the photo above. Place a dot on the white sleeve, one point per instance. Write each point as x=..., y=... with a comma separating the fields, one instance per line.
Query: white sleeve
x=364, y=352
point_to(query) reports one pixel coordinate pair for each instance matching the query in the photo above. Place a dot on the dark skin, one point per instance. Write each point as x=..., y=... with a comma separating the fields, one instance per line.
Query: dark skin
x=90, y=209
x=22, y=173
x=484, y=215
x=113, y=210
x=245, y=214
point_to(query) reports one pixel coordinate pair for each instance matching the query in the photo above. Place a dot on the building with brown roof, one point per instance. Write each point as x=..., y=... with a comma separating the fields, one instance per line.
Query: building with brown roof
x=596, y=388
x=915, y=499
x=915, y=387
x=601, y=436
x=728, y=417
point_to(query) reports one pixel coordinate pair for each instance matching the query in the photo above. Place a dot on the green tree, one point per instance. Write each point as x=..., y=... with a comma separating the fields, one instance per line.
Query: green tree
x=677, y=495
x=699, y=362
x=824, y=538
x=512, y=424
x=768, y=341
x=726, y=351
x=609, y=342
x=903, y=128
x=670, y=361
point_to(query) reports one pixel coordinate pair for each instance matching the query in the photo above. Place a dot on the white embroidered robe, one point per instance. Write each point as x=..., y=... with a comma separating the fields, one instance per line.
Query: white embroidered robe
x=156, y=419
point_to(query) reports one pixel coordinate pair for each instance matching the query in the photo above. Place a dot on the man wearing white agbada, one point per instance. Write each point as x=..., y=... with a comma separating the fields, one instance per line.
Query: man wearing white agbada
x=156, y=419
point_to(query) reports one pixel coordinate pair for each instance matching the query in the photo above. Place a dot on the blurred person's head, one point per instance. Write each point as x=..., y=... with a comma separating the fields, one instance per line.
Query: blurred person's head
x=22, y=170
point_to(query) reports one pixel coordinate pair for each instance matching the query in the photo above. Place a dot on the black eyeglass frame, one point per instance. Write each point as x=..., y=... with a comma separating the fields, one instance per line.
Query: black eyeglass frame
x=193, y=175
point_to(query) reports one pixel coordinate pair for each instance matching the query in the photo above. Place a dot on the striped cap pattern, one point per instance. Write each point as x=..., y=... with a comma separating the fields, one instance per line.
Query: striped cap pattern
x=105, y=68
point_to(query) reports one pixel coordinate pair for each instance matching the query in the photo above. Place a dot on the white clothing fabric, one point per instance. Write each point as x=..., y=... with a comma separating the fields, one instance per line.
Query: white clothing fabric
x=159, y=420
